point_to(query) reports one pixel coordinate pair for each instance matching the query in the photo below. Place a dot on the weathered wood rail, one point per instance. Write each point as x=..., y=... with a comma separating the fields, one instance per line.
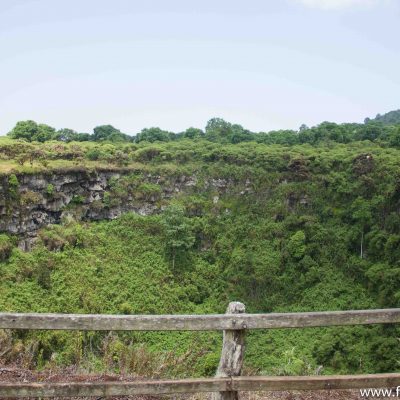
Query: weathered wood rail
x=212, y=322
x=224, y=385
x=227, y=382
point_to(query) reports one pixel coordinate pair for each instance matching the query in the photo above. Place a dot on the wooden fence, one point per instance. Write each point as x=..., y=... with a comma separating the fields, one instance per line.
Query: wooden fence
x=227, y=381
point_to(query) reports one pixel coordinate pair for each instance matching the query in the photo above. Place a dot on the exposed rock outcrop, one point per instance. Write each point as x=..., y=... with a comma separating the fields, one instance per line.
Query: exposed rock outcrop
x=30, y=202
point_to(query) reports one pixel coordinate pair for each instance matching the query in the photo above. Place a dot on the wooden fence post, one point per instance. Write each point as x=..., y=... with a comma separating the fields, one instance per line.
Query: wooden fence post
x=231, y=361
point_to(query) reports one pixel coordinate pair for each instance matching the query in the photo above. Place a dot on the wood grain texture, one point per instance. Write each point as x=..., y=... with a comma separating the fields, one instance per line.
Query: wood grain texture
x=195, y=322
x=233, y=346
x=244, y=383
x=100, y=389
x=265, y=383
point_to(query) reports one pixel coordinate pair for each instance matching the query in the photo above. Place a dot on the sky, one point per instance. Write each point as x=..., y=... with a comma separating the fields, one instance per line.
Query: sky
x=264, y=64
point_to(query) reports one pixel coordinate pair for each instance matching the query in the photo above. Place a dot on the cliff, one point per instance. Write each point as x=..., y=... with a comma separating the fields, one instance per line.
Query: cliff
x=29, y=202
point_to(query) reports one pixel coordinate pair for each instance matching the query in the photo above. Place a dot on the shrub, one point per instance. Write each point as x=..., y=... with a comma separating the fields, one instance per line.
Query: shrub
x=56, y=237
x=292, y=364
x=77, y=199
x=121, y=159
x=30, y=197
x=13, y=186
x=22, y=158
x=6, y=246
x=94, y=154
x=107, y=199
x=50, y=189
x=13, y=181
x=147, y=154
x=148, y=192
x=44, y=162
x=296, y=245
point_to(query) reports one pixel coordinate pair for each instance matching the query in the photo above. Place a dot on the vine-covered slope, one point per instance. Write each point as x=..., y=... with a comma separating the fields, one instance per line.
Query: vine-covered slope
x=279, y=227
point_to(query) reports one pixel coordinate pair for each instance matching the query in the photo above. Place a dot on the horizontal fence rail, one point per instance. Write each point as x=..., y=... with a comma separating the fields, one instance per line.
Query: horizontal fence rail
x=104, y=322
x=268, y=383
x=227, y=382
x=100, y=389
x=245, y=383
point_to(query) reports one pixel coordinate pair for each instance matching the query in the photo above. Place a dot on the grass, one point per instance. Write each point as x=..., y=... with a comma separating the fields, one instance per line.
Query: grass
x=9, y=166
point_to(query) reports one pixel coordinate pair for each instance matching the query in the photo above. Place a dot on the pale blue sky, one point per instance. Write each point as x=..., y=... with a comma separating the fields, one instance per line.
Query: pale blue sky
x=174, y=64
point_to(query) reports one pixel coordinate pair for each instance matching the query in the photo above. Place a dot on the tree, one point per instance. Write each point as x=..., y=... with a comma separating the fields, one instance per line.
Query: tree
x=192, y=133
x=31, y=131
x=82, y=137
x=69, y=135
x=218, y=130
x=45, y=133
x=108, y=132
x=303, y=127
x=179, y=236
x=394, y=138
x=66, y=135
x=288, y=137
x=239, y=134
x=390, y=118
x=24, y=130
x=154, y=134
x=370, y=131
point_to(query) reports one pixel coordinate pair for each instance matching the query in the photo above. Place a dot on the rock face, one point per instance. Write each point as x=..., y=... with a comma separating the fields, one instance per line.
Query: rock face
x=30, y=202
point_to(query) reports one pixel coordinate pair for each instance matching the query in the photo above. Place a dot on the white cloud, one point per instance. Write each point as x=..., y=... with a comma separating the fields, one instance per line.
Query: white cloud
x=340, y=4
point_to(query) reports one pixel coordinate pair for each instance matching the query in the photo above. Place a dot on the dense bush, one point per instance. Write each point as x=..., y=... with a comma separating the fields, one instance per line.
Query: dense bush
x=284, y=221
x=6, y=246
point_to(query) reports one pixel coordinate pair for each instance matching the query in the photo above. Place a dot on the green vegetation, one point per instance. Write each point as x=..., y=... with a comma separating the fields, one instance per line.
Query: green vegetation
x=283, y=221
x=6, y=247
x=13, y=185
x=390, y=118
x=50, y=189
x=383, y=129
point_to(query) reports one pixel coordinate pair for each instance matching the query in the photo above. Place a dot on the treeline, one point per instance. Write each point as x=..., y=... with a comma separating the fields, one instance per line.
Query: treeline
x=384, y=129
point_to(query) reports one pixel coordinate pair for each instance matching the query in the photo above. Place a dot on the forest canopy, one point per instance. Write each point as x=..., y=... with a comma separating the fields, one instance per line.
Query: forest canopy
x=384, y=129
